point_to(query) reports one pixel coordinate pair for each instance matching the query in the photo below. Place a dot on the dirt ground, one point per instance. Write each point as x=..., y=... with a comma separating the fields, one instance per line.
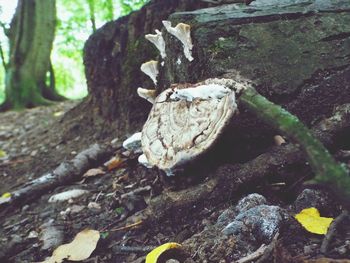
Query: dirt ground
x=35, y=141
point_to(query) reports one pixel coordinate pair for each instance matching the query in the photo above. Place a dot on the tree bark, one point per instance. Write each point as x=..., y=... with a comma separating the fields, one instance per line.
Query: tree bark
x=113, y=56
x=286, y=47
x=31, y=37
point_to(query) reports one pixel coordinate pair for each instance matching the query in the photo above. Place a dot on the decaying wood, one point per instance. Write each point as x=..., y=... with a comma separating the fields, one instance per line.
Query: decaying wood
x=65, y=173
x=178, y=130
x=229, y=179
x=332, y=231
x=253, y=256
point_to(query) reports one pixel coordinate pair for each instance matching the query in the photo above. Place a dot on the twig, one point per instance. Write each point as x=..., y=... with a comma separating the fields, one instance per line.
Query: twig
x=256, y=254
x=128, y=226
x=263, y=252
x=269, y=249
x=25, y=220
x=122, y=218
x=332, y=231
x=15, y=162
x=65, y=173
x=132, y=249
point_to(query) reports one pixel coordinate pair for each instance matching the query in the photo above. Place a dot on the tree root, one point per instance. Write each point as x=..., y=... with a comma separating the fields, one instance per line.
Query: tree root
x=65, y=173
x=229, y=179
x=332, y=231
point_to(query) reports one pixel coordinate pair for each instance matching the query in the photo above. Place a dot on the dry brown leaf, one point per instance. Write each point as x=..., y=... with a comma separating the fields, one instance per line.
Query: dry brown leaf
x=79, y=249
x=94, y=172
x=113, y=163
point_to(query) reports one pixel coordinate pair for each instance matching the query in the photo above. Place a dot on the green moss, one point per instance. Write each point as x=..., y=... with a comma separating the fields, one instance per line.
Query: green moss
x=326, y=169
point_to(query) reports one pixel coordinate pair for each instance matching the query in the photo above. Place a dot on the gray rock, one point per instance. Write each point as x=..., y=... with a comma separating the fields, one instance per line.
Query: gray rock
x=259, y=223
x=313, y=198
x=243, y=205
x=249, y=202
x=50, y=235
x=227, y=216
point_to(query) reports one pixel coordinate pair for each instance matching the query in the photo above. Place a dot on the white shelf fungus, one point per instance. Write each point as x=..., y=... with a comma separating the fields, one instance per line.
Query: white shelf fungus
x=183, y=33
x=158, y=40
x=185, y=121
x=133, y=143
x=150, y=68
x=143, y=160
x=147, y=94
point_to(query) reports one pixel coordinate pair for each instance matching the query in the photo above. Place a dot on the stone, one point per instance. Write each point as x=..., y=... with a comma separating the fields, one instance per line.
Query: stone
x=259, y=223
x=314, y=198
x=249, y=202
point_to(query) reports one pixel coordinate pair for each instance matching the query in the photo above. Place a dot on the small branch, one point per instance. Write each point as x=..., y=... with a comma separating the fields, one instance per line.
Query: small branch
x=132, y=249
x=326, y=169
x=332, y=231
x=268, y=251
x=127, y=227
x=2, y=56
x=65, y=173
x=255, y=255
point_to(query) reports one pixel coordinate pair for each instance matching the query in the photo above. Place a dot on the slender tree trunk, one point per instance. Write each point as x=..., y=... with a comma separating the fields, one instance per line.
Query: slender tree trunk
x=92, y=14
x=31, y=37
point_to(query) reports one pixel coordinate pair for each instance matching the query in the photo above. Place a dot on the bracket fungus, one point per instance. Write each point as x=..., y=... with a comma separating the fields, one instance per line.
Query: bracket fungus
x=158, y=40
x=147, y=94
x=183, y=33
x=185, y=121
x=150, y=68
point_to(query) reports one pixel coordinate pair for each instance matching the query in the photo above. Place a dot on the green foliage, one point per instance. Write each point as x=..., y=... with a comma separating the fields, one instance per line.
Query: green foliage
x=128, y=6
x=74, y=26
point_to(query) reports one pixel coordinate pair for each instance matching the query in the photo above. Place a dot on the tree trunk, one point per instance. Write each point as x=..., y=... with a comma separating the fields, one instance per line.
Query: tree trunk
x=91, y=4
x=113, y=56
x=31, y=37
x=292, y=50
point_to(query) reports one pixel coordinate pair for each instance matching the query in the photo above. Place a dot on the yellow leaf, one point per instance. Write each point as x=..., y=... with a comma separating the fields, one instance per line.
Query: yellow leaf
x=6, y=195
x=2, y=154
x=152, y=257
x=311, y=220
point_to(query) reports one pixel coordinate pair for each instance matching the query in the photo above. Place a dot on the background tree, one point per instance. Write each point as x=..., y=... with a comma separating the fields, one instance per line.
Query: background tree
x=76, y=20
x=31, y=36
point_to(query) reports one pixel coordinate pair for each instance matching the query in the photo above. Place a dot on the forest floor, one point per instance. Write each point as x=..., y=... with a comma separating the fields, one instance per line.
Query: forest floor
x=35, y=142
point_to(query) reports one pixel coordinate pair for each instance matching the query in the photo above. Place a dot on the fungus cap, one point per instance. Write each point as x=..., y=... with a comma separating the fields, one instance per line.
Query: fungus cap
x=150, y=68
x=185, y=121
x=183, y=33
x=158, y=40
x=147, y=94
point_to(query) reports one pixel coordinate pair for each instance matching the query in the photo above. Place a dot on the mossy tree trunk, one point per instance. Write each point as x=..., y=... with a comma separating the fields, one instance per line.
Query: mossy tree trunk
x=31, y=38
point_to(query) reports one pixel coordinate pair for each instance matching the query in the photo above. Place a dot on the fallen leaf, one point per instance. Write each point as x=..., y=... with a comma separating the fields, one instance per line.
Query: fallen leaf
x=6, y=195
x=2, y=154
x=94, y=172
x=5, y=198
x=79, y=249
x=153, y=256
x=311, y=220
x=113, y=163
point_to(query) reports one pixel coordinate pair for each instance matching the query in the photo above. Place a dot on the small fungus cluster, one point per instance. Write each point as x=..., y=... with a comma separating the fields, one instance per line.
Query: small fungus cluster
x=186, y=119
x=183, y=33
